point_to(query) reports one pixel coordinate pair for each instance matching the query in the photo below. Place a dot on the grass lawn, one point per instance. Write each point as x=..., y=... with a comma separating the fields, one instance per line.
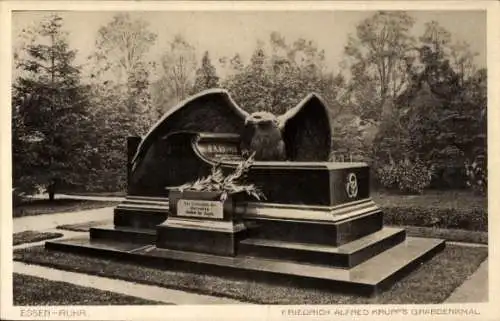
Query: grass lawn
x=431, y=283
x=83, y=227
x=448, y=234
x=30, y=290
x=44, y=206
x=455, y=209
x=33, y=236
x=444, y=199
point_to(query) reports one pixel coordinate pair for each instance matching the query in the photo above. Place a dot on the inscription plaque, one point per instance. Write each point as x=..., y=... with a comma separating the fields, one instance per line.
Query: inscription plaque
x=199, y=208
x=220, y=151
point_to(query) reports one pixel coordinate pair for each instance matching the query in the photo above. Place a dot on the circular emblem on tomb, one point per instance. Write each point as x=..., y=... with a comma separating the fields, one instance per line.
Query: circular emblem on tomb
x=352, y=185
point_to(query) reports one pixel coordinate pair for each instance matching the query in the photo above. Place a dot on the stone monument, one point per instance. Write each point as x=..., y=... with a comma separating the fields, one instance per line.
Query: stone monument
x=316, y=223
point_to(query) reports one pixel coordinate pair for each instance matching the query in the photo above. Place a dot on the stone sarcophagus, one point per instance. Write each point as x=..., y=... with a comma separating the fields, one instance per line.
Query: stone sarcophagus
x=316, y=223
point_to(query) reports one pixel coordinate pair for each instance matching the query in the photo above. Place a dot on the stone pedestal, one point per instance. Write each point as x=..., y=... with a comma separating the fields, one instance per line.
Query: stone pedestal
x=325, y=225
x=141, y=212
x=201, y=222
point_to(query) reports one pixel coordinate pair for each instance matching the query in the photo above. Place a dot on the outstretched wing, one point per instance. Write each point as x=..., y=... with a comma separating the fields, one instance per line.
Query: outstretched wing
x=211, y=111
x=307, y=130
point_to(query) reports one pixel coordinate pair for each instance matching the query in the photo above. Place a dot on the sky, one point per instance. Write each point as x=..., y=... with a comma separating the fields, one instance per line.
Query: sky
x=226, y=33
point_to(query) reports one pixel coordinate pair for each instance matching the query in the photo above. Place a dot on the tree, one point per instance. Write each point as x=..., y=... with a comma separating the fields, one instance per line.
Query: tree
x=379, y=54
x=231, y=66
x=280, y=74
x=121, y=96
x=50, y=116
x=206, y=76
x=120, y=62
x=251, y=87
x=458, y=52
x=462, y=61
x=440, y=119
x=121, y=47
x=178, y=69
x=437, y=38
x=112, y=123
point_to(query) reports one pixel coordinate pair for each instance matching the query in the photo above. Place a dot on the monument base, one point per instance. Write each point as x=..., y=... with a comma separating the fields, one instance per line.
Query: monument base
x=368, y=278
x=344, y=256
x=141, y=212
x=346, y=247
x=204, y=236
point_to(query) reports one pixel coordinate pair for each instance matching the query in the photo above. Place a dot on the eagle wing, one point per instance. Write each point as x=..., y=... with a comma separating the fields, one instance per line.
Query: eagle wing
x=307, y=130
x=211, y=111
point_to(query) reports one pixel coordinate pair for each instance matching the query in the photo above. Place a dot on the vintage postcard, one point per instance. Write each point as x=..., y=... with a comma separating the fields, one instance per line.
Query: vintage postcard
x=260, y=160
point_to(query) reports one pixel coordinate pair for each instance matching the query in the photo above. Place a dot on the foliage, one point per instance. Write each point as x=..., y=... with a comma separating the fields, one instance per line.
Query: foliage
x=121, y=46
x=280, y=75
x=404, y=95
x=378, y=59
x=121, y=97
x=226, y=184
x=457, y=209
x=120, y=66
x=49, y=111
x=477, y=175
x=206, y=76
x=350, y=139
x=176, y=74
x=440, y=117
x=407, y=176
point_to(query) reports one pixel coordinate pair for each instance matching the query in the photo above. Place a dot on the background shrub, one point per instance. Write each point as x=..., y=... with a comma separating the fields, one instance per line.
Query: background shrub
x=405, y=175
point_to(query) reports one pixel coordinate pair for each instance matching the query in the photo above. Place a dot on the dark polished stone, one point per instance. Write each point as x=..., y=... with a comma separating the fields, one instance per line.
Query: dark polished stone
x=124, y=234
x=354, y=228
x=348, y=255
x=179, y=158
x=139, y=218
x=324, y=233
x=199, y=240
x=141, y=212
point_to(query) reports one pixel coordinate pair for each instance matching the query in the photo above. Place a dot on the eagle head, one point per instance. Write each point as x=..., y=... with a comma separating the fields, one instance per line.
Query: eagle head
x=263, y=137
x=262, y=119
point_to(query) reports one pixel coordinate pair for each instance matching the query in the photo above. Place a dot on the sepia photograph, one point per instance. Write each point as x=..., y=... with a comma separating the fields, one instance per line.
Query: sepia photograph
x=312, y=158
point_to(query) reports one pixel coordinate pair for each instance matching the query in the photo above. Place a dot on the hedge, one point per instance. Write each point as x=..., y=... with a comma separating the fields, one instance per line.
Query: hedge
x=473, y=219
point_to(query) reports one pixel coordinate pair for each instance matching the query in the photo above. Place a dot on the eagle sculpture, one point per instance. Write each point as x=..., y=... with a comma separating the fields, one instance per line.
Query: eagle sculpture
x=303, y=133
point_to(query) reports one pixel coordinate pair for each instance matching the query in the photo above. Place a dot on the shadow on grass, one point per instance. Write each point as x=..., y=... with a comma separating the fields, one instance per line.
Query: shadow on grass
x=431, y=283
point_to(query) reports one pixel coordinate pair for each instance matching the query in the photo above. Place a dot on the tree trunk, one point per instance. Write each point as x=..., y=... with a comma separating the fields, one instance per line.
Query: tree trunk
x=51, y=189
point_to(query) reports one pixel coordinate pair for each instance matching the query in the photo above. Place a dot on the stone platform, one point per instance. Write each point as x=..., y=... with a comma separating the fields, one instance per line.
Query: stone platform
x=367, y=278
x=343, y=247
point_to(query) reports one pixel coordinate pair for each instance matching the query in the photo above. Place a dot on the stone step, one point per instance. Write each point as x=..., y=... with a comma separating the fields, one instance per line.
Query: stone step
x=123, y=233
x=143, y=216
x=347, y=255
x=330, y=233
x=367, y=278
